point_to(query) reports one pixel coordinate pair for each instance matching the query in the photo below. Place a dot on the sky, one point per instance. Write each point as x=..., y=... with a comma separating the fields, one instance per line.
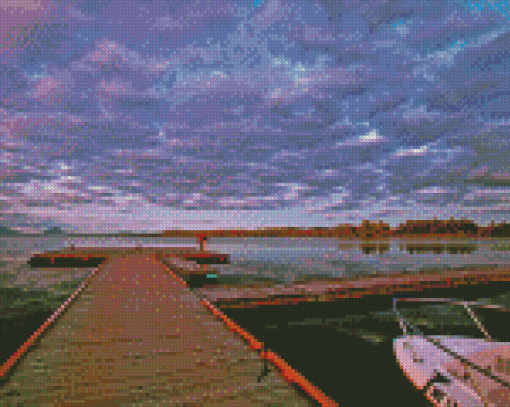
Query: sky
x=202, y=114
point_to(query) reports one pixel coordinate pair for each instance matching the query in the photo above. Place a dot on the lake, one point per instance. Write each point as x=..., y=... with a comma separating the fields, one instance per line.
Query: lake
x=282, y=259
x=252, y=258
x=311, y=337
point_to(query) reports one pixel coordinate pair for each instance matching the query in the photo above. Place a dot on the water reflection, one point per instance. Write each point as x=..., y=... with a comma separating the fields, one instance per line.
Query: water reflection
x=503, y=247
x=282, y=259
x=372, y=248
x=414, y=248
x=421, y=248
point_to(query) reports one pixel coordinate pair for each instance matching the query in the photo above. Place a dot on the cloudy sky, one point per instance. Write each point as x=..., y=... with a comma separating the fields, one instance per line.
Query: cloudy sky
x=152, y=115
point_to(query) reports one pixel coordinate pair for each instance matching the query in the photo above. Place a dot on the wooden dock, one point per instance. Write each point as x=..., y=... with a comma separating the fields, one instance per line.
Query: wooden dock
x=466, y=283
x=93, y=256
x=134, y=333
x=456, y=282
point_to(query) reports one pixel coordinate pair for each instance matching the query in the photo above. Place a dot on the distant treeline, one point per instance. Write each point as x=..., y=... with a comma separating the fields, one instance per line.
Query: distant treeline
x=367, y=229
x=452, y=227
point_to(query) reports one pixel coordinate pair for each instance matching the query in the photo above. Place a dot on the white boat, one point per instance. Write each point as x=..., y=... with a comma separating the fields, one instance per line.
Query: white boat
x=455, y=370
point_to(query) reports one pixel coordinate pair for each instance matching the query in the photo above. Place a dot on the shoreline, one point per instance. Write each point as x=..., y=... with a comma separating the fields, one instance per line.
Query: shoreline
x=218, y=234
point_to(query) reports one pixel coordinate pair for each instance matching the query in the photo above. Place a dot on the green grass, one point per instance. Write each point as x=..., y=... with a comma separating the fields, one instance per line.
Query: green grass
x=18, y=301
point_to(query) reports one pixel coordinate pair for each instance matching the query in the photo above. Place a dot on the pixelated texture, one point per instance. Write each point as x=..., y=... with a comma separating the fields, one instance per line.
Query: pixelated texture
x=136, y=335
x=222, y=114
x=251, y=114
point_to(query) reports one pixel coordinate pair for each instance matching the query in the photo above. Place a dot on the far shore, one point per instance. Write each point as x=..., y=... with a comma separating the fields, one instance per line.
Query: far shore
x=251, y=233
x=367, y=230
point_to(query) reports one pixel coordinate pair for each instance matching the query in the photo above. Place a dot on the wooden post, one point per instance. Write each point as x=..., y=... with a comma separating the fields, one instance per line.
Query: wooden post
x=202, y=241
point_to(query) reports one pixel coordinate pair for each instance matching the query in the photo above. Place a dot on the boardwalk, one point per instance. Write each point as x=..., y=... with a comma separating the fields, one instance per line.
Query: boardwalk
x=136, y=335
x=455, y=282
x=96, y=255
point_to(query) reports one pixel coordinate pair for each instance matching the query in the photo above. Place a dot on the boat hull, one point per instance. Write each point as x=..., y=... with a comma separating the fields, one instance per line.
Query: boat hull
x=466, y=371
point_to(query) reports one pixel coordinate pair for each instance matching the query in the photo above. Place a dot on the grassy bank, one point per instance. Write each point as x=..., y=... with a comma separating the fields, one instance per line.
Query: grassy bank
x=23, y=310
x=22, y=302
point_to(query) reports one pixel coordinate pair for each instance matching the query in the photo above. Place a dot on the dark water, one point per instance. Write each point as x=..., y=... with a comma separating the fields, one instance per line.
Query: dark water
x=350, y=370
x=346, y=347
x=15, y=331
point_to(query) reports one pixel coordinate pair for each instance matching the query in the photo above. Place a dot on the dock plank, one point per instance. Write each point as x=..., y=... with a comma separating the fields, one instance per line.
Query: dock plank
x=269, y=293
x=93, y=256
x=136, y=335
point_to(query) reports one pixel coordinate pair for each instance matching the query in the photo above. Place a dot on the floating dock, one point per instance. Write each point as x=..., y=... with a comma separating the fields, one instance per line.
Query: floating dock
x=189, y=263
x=468, y=283
x=134, y=333
x=93, y=256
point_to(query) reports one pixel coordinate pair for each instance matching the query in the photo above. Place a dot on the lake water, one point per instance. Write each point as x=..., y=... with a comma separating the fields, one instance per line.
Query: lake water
x=283, y=259
x=290, y=331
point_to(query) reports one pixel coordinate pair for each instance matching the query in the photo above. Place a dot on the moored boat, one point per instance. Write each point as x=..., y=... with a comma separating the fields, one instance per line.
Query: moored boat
x=455, y=370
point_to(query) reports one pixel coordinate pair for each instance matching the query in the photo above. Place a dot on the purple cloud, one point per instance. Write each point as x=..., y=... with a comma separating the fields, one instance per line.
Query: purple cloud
x=324, y=107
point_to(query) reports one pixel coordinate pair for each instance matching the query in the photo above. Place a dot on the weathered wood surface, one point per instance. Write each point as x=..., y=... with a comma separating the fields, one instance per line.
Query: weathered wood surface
x=135, y=334
x=123, y=251
x=268, y=293
x=185, y=268
x=87, y=256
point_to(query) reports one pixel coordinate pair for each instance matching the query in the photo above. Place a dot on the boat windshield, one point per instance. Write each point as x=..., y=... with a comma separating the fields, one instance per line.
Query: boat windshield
x=428, y=316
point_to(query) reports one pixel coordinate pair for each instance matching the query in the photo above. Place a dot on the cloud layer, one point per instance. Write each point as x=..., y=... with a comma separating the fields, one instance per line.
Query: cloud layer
x=223, y=112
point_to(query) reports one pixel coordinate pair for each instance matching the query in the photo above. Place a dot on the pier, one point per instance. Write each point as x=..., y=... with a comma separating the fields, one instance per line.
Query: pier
x=191, y=264
x=139, y=330
x=468, y=283
x=93, y=256
x=133, y=332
